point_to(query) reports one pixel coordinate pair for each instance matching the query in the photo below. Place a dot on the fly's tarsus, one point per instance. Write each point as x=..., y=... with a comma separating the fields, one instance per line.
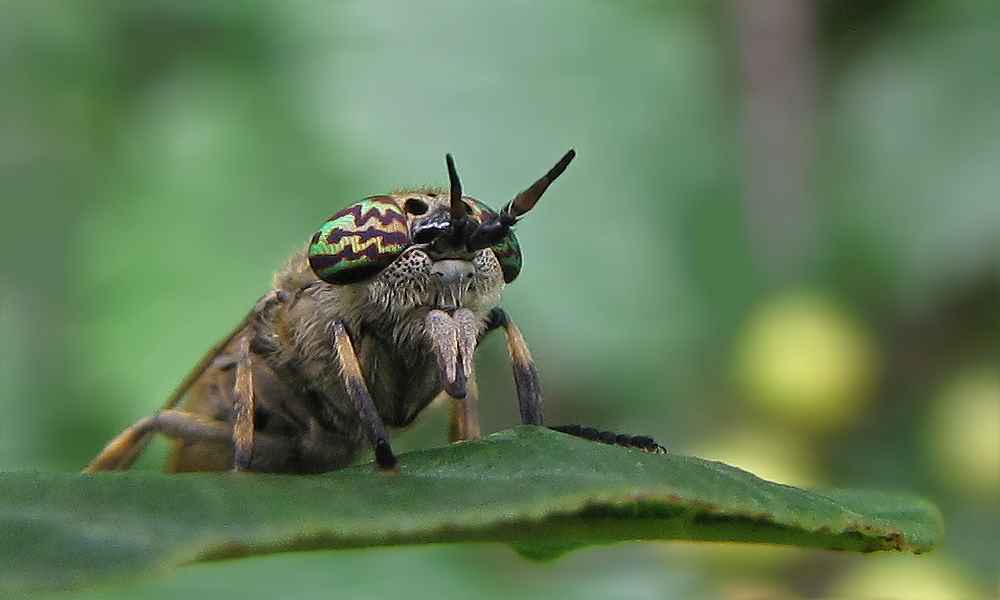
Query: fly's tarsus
x=640, y=442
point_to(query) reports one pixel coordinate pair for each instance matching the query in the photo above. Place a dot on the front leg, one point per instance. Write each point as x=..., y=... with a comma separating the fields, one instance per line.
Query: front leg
x=354, y=382
x=529, y=390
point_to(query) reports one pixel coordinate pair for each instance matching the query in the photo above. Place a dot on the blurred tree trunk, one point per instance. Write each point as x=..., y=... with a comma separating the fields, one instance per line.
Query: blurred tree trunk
x=776, y=43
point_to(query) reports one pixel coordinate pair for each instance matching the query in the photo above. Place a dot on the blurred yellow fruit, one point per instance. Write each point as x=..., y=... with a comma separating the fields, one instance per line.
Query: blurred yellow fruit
x=803, y=359
x=755, y=590
x=734, y=561
x=884, y=576
x=776, y=456
x=963, y=433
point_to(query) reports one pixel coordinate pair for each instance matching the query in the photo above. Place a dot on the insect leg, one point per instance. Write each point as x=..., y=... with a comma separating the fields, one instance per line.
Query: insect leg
x=243, y=409
x=123, y=450
x=464, y=414
x=641, y=442
x=244, y=396
x=529, y=390
x=354, y=382
x=189, y=427
x=118, y=454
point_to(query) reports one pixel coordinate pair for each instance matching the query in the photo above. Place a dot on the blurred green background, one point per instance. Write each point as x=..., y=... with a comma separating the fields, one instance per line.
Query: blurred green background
x=779, y=245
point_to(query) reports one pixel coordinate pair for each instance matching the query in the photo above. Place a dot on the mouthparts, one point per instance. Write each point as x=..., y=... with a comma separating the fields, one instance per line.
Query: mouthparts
x=453, y=340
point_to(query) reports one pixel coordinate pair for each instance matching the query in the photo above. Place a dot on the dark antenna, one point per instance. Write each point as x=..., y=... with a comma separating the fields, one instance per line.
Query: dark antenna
x=458, y=208
x=491, y=233
x=527, y=199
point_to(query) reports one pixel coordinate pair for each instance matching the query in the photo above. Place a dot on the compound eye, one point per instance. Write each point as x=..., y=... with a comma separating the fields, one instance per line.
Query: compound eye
x=508, y=253
x=359, y=241
x=415, y=206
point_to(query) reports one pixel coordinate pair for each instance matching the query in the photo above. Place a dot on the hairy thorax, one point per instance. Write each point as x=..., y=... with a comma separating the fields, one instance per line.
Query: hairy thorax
x=386, y=317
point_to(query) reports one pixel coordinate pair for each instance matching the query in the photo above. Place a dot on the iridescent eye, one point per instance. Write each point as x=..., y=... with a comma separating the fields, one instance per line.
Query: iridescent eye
x=359, y=241
x=508, y=252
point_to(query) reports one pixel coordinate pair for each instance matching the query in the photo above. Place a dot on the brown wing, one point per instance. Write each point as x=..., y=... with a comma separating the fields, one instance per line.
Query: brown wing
x=205, y=362
x=186, y=385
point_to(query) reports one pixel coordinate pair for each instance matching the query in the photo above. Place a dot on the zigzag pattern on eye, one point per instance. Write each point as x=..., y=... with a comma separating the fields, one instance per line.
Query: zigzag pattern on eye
x=377, y=245
x=355, y=247
x=376, y=208
x=340, y=237
x=372, y=230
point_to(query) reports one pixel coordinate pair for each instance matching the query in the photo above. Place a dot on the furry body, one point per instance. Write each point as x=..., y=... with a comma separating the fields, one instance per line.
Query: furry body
x=300, y=392
x=380, y=313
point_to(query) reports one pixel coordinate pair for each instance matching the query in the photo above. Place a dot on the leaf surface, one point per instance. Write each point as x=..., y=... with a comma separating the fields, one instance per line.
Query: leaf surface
x=541, y=491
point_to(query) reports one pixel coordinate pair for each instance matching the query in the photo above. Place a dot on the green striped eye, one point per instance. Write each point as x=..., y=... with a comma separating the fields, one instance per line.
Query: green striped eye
x=359, y=241
x=508, y=252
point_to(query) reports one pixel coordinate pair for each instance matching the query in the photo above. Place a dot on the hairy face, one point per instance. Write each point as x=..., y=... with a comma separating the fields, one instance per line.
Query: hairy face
x=420, y=280
x=433, y=273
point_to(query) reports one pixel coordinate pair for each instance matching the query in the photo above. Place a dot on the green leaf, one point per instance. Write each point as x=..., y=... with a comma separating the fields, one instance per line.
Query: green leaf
x=542, y=491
